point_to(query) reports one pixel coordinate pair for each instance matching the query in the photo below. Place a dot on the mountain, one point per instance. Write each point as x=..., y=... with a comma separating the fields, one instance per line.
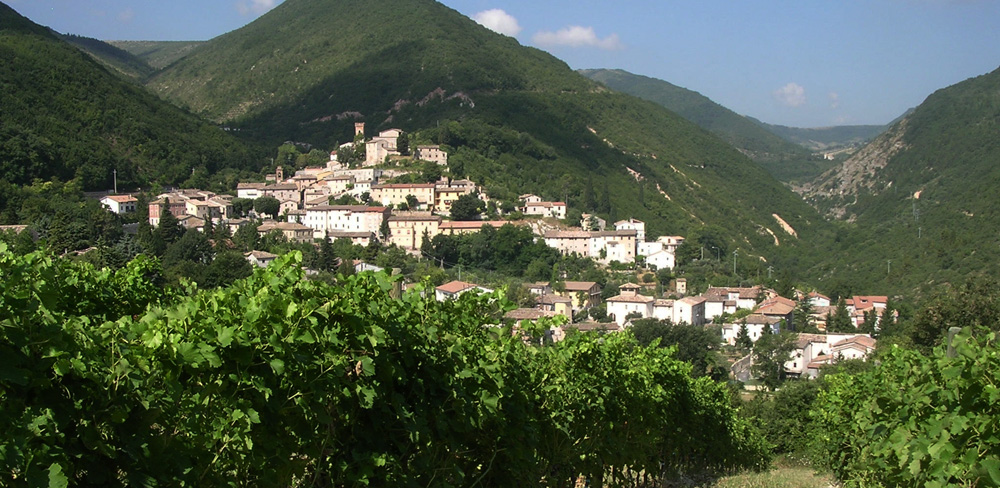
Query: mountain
x=514, y=118
x=826, y=138
x=785, y=160
x=65, y=116
x=111, y=57
x=157, y=54
x=922, y=195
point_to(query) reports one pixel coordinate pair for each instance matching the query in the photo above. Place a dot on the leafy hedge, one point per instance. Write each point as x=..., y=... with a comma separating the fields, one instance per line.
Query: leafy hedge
x=108, y=379
x=916, y=420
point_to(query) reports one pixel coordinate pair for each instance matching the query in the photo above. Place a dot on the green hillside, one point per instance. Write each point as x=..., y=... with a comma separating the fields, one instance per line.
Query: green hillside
x=922, y=195
x=825, y=138
x=157, y=54
x=66, y=117
x=515, y=118
x=785, y=160
x=111, y=57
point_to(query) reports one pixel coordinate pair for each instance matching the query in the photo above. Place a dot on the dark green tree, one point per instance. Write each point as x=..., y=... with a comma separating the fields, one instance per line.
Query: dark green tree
x=803, y=316
x=269, y=206
x=840, y=320
x=743, y=341
x=770, y=353
x=467, y=207
x=169, y=230
x=227, y=267
x=403, y=144
x=698, y=346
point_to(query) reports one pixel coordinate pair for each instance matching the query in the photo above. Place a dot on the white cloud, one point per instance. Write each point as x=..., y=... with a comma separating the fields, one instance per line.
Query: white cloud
x=834, y=100
x=126, y=15
x=577, y=36
x=792, y=95
x=498, y=21
x=255, y=7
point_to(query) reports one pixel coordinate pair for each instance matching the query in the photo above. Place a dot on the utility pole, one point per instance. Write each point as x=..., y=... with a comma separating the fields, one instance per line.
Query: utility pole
x=888, y=266
x=734, y=262
x=115, y=173
x=769, y=269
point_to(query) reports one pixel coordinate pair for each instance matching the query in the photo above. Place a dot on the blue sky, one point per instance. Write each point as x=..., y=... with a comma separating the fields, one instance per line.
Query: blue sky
x=799, y=63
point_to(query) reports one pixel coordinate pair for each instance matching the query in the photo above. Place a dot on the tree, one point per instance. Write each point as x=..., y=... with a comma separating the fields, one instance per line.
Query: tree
x=246, y=237
x=770, y=353
x=412, y=203
x=192, y=246
x=169, y=229
x=403, y=144
x=803, y=316
x=227, y=267
x=840, y=320
x=242, y=206
x=695, y=345
x=467, y=207
x=269, y=206
x=870, y=324
x=743, y=341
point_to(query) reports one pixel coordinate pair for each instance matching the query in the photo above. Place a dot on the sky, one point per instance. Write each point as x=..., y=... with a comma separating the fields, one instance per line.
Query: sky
x=810, y=63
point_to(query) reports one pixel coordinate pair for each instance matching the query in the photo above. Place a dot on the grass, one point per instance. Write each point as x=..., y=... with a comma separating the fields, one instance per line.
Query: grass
x=779, y=477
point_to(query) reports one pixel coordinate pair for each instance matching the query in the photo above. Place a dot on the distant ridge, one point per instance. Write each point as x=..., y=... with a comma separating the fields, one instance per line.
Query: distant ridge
x=783, y=158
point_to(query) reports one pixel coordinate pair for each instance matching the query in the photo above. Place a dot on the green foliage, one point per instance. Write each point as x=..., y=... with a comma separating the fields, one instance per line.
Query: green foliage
x=770, y=353
x=974, y=303
x=916, y=420
x=467, y=207
x=107, y=381
x=698, y=346
x=840, y=320
x=511, y=250
x=266, y=206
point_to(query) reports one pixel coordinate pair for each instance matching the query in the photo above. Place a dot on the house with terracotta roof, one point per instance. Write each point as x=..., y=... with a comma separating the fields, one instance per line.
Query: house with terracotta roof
x=454, y=289
x=629, y=301
x=432, y=153
x=633, y=224
x=859, y=305
x=282, y=191
x=584, y=294
x=292, y=231
x=120, y=204
x=250, y=190
x=555, y=303
x=778, y=307
x=323, y=219
x=813, y=351
x=396, y=193
x=407, y=229
x=556, y=210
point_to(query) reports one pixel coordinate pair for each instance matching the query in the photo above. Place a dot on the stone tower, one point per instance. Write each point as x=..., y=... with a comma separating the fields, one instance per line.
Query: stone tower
x=279, y=174
x=359, y=128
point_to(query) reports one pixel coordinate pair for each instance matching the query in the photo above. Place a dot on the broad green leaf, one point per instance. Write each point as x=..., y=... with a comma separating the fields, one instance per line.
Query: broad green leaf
x=57, y=479
x=278, y=366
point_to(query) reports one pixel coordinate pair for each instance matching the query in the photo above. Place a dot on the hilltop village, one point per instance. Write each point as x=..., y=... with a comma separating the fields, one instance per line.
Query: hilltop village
x=360, y=201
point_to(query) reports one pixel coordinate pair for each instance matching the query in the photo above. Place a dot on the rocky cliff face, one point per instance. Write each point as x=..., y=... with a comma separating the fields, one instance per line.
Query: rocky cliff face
x=837, y=189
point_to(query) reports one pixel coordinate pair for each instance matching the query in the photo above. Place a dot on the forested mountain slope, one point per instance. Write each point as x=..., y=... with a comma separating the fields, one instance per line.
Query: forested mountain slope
x=65, y=116
x=922, y=196
x=785, y=160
